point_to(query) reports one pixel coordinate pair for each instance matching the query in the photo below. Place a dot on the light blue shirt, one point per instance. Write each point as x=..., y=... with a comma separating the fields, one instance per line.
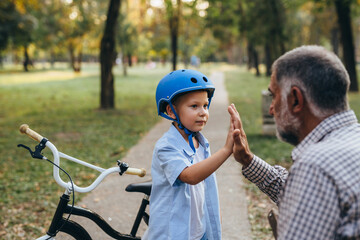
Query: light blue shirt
x=170, y=197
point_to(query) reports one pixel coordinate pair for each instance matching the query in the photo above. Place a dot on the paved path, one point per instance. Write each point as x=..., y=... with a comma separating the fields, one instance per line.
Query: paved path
x=119, y=207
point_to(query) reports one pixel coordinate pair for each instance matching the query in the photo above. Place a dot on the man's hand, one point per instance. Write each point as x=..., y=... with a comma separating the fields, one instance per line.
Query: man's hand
x=241, y=149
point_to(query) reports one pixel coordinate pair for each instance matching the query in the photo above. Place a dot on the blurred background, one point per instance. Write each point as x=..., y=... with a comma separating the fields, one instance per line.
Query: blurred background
x=83, y=73
x=40, y=33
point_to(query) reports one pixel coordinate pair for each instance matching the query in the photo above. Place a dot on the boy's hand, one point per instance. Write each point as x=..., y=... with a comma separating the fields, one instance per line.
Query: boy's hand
x=229, y=144
x=241, y=148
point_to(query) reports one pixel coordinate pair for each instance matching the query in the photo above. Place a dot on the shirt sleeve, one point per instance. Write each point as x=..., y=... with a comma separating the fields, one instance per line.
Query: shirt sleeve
x=309, y=207
x=269, y=179
x=173, y=162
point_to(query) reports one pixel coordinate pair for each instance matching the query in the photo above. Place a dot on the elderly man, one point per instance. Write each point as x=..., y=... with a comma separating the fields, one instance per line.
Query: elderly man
x=319, y=198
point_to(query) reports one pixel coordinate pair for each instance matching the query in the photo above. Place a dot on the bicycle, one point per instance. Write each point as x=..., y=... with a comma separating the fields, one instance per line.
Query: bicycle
x=59, y=222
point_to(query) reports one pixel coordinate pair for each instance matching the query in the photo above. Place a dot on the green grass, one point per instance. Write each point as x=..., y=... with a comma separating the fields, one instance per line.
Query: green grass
x=64, y=107
x=245, y=91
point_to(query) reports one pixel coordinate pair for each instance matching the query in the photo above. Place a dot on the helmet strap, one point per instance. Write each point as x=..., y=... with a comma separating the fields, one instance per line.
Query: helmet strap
x=190, y=138
x=182, y=127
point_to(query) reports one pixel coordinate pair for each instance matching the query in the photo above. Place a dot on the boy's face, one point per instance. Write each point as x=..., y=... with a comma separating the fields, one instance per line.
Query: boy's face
x=192, y=109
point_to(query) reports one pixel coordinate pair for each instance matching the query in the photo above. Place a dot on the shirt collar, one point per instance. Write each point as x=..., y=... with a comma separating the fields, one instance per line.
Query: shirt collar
x=186, y=146
x=328, y=125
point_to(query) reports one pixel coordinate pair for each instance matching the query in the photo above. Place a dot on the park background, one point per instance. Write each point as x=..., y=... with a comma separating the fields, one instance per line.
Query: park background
x=83, y=74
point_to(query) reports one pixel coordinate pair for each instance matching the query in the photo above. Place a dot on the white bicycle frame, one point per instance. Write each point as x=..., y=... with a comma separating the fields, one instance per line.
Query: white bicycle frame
x=67, y=185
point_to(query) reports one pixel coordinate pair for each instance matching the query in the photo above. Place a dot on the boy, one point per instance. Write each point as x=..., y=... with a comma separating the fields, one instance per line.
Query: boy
x=184, y=200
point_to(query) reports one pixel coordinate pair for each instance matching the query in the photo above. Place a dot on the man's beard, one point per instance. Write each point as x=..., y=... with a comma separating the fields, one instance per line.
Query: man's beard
x=287, y=126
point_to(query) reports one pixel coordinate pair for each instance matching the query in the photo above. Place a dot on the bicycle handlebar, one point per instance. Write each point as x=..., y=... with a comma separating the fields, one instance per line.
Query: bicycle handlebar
x=25, y=129
x=141, y=172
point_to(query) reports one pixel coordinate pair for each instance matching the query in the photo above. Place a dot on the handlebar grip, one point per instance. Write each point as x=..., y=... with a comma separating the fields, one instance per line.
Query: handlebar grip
x=25, y=129
x=136, y=171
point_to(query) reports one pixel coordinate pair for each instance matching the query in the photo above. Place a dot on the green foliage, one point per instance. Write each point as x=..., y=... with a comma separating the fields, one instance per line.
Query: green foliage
x=126, y=34
x=8, y=15
x=220, y=14
x=214, y=30
x=17, y=25
x=65, y=111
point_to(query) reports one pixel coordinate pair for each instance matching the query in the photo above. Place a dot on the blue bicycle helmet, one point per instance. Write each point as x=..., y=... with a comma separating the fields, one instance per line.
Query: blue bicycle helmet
x=179, y=82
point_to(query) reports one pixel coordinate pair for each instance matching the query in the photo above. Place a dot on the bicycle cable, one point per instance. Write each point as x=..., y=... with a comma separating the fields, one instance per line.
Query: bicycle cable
x=73, y=195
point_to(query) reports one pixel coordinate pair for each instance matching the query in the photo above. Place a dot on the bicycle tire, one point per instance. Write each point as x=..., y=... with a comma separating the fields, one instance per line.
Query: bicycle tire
x=74, y=229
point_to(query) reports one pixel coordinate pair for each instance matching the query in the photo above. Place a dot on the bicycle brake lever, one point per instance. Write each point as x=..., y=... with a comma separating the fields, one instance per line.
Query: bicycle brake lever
x=33, y=154
x=123, y=167
x=26, y=147
x=38, y=149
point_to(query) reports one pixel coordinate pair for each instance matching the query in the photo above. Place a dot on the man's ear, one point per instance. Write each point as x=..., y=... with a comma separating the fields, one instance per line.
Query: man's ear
x=296, y=99
x=170, y=112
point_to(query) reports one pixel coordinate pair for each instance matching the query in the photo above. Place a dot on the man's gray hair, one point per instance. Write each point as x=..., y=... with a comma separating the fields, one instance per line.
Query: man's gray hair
x=319, y=74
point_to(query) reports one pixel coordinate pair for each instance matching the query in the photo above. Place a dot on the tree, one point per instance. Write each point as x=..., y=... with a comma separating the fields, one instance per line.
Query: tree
x=193, y=33
x=76, y=24
x=174, y=16
x=22, y=36
x=344, y=20
x=220, y=14
x=18, y=24
x=49, y=35
x=108, y=55
x=275, y=38
x=127, y=38
x=248, y=24
x=262, y=24
x=8, y=22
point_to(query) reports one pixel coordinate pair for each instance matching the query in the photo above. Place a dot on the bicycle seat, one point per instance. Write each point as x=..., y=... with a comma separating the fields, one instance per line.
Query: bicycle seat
x=144, y=187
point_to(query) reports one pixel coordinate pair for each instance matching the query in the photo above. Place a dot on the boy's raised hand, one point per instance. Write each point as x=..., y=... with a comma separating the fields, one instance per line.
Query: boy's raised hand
x=229, y=144
x=241, y=149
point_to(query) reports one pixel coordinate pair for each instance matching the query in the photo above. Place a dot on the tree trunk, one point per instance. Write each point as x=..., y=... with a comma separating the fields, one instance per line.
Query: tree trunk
x=268, y=59
x=26, y=59
x=230, y=53
x=129, y=58
x=250, y=56
x=125, y=61
x=74, y=62
x=52, y=58
x=186, y=56
x=107, y=54
x=256, y=62
x=253, y=56
x=344, y=20
x=1, y=60
x=79, y=61
x=174, y=38
x=277, y=26
x=335, y=40
x=174, y=23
